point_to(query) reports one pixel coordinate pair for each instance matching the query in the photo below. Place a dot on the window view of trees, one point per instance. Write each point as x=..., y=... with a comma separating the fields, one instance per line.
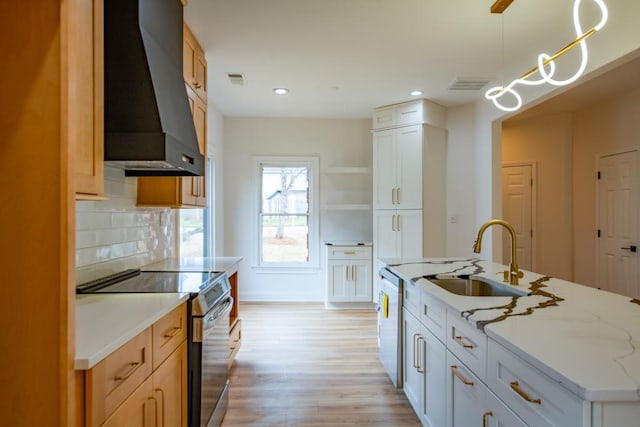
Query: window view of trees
x=285, y=214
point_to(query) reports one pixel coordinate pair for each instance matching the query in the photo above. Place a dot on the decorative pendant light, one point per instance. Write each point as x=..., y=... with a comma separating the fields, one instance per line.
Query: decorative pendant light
x=546, y=67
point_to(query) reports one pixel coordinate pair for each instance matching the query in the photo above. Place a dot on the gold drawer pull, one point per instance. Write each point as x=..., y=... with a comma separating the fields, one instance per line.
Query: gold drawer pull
x=485, y=418
x=132, y=368
x=171, y=332
x=515, y=387
x=349, y=252
x=461, y=377
x=458, y=339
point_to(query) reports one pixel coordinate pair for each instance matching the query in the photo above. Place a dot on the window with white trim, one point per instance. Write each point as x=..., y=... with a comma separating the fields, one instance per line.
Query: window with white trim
x=287, y=212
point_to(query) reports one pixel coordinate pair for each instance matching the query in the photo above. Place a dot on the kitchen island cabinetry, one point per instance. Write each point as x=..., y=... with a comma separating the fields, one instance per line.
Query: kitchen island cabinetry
x=85, y=108
x=144, y=381
x=424, y=371
x=348, y=275
x=528, y=360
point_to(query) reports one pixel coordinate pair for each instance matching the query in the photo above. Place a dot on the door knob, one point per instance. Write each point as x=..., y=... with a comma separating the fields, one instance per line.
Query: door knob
x=632, y=248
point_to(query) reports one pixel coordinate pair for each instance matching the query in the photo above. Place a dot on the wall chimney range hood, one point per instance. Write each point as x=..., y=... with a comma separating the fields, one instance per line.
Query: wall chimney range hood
x=148, y=124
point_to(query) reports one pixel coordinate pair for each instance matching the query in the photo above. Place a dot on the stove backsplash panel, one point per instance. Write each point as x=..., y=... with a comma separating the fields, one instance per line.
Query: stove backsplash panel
x=114, y=235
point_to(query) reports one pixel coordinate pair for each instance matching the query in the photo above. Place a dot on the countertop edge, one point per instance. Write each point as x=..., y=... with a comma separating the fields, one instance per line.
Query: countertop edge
x=92, y=358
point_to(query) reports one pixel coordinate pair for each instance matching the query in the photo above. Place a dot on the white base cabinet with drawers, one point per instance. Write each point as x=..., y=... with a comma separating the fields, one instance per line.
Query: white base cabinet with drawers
x=455, y=376
x=349, y=280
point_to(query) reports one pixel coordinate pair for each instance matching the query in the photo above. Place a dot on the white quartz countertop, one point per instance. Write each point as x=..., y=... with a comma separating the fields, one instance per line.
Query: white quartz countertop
x=586, y=339
x=104, y=322
x=209, y=264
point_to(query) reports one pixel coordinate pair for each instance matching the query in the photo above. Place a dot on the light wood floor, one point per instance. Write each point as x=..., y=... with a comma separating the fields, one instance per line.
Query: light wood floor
x=302, y=365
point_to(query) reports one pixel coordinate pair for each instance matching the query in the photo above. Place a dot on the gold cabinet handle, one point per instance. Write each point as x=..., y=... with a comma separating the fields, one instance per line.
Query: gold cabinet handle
x=420, y=338
x=398, y=195
x=516, y=387
x=485, y=418
x=393, y=222
x=458, y=339
x=398, y=223
x=353, y=273
x=132, y=368
x=415, y=348
x=161, y=391
x=346, y=273
x=155, y=413
x=461, y=377
x=349, y=252
x=171, y=332
x=393, y=196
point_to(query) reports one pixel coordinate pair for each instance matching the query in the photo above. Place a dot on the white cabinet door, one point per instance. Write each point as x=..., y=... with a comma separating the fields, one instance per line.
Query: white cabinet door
x=409, y=167
x=385, y=169
x=465, y=395
x=496, y=413
x=435, y=380
x=384, y=234
x=409, y=226
x=338, y=280
x=361, y=289
x=412, y=372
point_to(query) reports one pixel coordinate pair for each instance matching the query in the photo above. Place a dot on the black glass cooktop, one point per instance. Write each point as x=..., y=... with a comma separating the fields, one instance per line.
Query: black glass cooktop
x=136, y=281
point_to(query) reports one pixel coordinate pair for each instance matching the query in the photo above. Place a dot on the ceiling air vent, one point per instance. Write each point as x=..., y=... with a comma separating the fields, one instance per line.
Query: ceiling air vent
x=236, y=78
x=469, y=83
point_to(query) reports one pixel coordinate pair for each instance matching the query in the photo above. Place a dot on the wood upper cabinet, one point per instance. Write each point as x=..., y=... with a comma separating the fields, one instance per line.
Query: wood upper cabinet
x=190, y=191
x=85, y=125
x=194, y=64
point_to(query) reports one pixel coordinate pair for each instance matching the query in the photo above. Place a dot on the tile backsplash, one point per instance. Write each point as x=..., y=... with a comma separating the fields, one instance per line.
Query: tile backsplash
x=114, y=235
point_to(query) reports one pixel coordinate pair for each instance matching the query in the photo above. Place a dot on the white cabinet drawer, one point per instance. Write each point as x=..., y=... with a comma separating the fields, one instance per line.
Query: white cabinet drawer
x=467, y=342
x=533, y=396
x=433, y=315
x=412, y=298
x=349, y=252
x=384, y=118
x=410, y=113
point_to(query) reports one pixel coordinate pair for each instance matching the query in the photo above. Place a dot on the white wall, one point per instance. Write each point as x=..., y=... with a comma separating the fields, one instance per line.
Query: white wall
x=215, y=150
x=336, y=142
x=548, y=142
x=605, y=128
x=461, y=189
x=620, y=37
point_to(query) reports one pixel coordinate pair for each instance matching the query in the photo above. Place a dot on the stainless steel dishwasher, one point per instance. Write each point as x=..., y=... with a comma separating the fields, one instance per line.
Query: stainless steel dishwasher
x=389, y=325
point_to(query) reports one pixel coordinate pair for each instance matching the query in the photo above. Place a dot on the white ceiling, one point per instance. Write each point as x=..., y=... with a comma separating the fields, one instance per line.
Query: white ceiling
x=342, y=58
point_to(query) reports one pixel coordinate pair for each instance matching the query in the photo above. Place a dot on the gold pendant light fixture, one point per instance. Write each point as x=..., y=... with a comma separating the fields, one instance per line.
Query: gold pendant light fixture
x=546, y=66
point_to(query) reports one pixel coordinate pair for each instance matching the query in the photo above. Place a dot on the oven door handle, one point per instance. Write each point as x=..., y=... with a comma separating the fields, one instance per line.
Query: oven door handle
x=201, y=325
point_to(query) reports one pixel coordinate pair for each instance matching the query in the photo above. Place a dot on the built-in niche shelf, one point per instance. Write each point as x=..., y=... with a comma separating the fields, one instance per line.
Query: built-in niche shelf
x=344, y=203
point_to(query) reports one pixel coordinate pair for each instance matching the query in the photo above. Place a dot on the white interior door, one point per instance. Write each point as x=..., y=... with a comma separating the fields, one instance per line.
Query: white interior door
x=618, y=224
x=517, y=209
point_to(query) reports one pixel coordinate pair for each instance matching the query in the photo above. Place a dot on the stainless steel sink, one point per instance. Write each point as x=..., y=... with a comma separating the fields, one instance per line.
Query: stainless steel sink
x=476, y=287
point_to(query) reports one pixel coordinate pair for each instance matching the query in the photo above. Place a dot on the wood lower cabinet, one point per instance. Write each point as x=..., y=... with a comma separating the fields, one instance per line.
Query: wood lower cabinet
x=235, y=323
x=85, y=108
x=142, y=383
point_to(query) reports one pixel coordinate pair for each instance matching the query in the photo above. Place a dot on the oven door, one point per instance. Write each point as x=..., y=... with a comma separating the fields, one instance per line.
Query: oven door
x=210, y=363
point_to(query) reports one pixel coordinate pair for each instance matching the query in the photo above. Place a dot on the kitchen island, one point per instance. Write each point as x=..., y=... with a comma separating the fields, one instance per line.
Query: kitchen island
x=580, y=340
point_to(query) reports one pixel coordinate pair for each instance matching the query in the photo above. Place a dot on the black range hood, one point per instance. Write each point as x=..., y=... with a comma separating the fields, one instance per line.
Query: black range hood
x=148, y=123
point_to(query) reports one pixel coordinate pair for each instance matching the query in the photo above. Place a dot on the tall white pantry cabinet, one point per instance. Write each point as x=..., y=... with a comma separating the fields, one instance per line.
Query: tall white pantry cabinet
x=409, y=171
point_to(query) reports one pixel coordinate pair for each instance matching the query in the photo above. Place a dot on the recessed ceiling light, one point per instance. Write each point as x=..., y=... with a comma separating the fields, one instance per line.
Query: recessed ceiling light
x=281, y=90
x=416, y=93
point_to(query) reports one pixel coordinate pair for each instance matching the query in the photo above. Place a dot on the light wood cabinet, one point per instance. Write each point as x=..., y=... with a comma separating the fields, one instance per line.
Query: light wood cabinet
x=188, y=191
x=235, y=323
x=142, y=383
x=194, y=64
x=85, y=106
